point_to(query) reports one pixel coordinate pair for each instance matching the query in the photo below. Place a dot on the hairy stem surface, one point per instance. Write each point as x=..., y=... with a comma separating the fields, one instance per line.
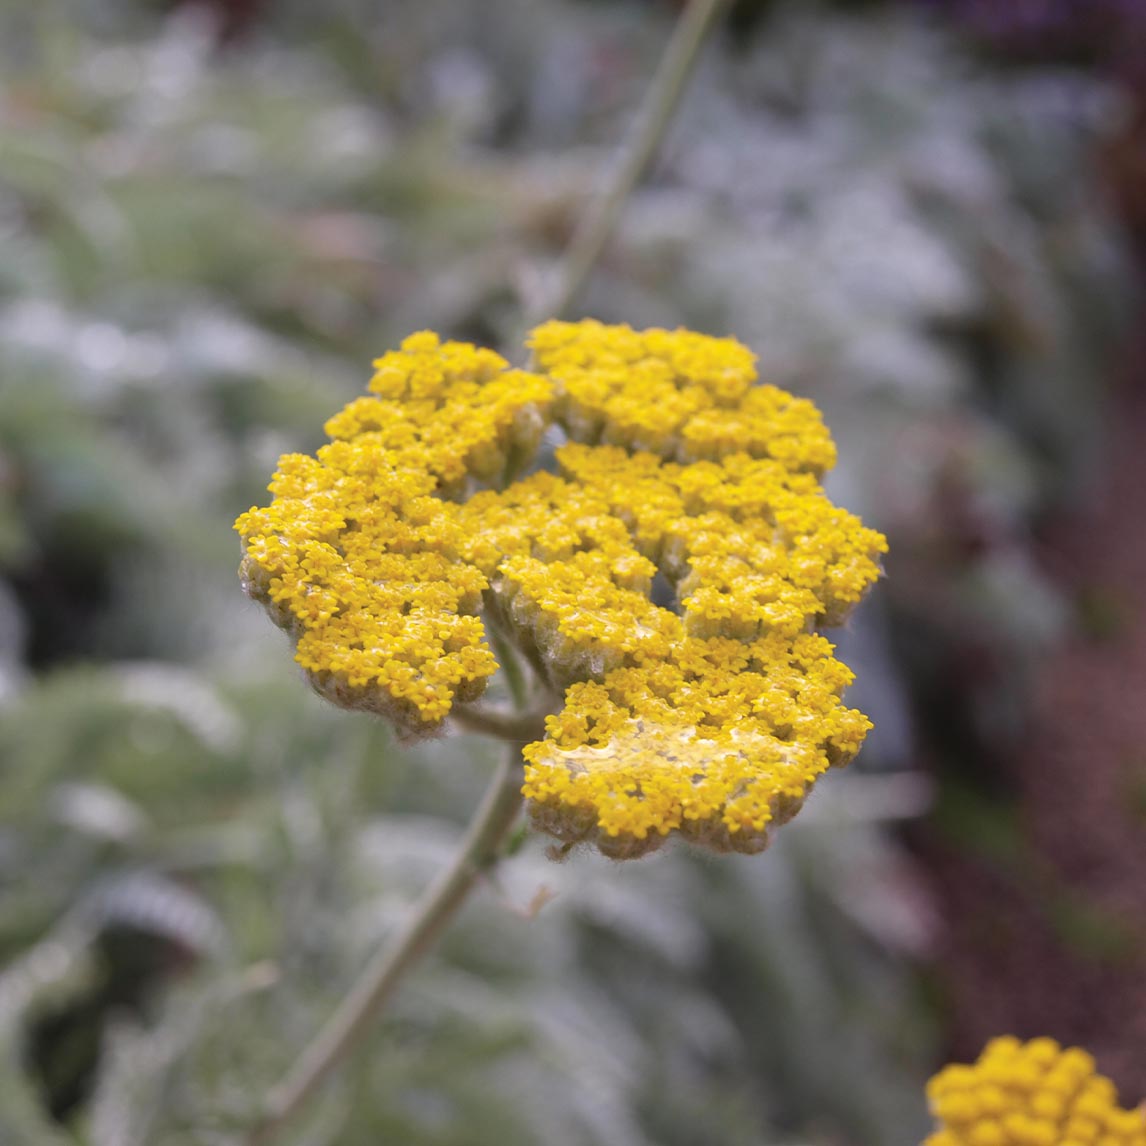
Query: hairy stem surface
x=519, y=728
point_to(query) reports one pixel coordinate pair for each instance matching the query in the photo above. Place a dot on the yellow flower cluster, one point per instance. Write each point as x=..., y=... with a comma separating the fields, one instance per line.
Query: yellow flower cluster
x=719, y=740
x=1030, y=1094
x=675, y=393
x=359, y=556
x=667, y=577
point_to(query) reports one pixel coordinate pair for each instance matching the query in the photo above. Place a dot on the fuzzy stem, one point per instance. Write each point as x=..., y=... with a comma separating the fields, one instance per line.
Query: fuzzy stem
x=512, y=727
x=511, y=665
x=656, y=114
x=377, y=983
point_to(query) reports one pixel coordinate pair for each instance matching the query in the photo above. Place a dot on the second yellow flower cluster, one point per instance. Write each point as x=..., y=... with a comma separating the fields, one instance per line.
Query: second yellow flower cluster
x=1030, y=1094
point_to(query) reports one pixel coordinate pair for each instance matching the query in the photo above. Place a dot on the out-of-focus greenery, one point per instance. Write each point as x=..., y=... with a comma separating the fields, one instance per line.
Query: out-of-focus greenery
x=203, y=249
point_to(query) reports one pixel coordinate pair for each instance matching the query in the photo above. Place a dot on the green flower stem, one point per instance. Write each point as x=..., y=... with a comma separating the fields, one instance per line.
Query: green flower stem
x=512, y=727
x=377, y=983
x=502, y=802
x=510, y=662
x=656, y=114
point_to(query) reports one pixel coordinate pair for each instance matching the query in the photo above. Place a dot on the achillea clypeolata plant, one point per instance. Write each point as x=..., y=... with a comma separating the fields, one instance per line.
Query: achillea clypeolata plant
x=664, y=579
x=1030, y=1094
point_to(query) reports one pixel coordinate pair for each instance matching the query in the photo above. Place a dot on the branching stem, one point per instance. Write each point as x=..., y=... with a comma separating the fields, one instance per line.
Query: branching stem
x=513, y=727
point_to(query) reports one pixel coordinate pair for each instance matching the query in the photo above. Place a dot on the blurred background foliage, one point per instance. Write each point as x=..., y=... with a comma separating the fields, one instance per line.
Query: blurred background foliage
x=212, y=218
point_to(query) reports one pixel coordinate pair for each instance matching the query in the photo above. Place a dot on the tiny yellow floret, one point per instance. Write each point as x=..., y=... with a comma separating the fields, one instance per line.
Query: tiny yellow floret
x=1030, y=1094
x=666, y=572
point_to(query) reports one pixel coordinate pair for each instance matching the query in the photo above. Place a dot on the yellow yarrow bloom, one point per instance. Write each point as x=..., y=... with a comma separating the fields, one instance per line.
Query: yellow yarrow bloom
x=1030, y=1094
x=387, y=554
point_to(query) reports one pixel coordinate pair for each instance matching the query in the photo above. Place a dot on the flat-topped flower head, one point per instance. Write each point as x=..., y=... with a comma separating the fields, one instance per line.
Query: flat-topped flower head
x=1030, y=1094
x=666, y=577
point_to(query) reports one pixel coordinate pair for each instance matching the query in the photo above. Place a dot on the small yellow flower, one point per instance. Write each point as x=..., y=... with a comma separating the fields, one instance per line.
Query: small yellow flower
x=1030, y=1094
x=711, y=717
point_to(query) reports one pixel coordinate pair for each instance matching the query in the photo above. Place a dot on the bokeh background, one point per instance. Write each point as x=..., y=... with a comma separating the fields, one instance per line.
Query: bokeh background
x=928, y=216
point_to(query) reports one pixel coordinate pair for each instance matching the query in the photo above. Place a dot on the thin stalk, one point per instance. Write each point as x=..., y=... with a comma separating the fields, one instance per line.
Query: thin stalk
x=511, y=665
x=653, y=120
x=377, y=983
x=513, y=727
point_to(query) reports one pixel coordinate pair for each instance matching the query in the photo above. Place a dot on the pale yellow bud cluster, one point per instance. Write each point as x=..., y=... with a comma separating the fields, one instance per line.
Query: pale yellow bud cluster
x=717, y=739
x=1030, y=1094
x=710, y=714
